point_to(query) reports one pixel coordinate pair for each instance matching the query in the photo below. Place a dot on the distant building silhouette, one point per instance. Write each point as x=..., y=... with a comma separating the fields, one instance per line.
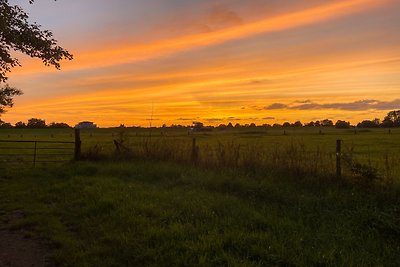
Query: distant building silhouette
x=86, y=125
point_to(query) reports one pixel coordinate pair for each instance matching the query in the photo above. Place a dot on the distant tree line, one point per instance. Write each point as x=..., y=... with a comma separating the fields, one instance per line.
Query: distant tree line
x=391, y=120
x=34, y=123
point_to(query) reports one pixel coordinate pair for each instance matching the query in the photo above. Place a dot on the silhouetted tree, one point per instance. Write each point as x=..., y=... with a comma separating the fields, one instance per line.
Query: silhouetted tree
x=342, y=124
x=392, y=119
x=36, y=123
x=369, y=124
x=297, y=124
x=198, y=126
x=6, y=96
x=59, y=125
x=5, y=124
x=18, y=34
x=327, y=123
x=221, y=127
x=310, y=124
x=276, y=125
x=230, y=126
x=20, y=124
x=237, y=125
x=387, y=124
x=286, y=124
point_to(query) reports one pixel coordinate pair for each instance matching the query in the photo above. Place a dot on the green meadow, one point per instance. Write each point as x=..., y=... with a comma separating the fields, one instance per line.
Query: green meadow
x=258, y=197
x=310, y=150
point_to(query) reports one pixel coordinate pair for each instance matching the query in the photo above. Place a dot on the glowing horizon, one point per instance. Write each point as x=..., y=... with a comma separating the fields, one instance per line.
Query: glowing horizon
x=217, y=63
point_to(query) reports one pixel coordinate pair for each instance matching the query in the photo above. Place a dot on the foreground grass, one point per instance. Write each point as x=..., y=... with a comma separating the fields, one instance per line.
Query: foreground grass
x=161, y=214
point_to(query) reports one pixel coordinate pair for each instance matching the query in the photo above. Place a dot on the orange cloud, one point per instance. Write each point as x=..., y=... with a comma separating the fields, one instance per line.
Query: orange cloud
x=279, y=23
x=134, y=53
x=219, y=97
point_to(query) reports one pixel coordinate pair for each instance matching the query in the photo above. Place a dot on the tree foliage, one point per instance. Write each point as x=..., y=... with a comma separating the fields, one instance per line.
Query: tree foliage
x=326, y=123
x=18, y=34
x=36, y=123
x=369, y=124
x=5, y=125
x=392, y=119
x=297, y=124
x=342, y=124
x=20, y=124
x=6, y=97
x=59, y=125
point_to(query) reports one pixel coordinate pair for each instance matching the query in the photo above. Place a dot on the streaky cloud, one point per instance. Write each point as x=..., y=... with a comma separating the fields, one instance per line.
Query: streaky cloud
x=276, y=106
x=161, y=48
x=368, y=104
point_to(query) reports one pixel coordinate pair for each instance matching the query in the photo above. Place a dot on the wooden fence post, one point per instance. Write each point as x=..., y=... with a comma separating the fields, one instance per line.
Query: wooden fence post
x=78, y=144
x=338, y=158
x=34, y=154
x=195, y=151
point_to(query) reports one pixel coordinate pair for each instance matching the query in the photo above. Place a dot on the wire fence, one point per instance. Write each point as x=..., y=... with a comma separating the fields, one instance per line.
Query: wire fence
x=24, y=153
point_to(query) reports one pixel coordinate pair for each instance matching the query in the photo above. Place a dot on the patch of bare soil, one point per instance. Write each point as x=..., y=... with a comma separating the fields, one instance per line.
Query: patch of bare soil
x=17, y=249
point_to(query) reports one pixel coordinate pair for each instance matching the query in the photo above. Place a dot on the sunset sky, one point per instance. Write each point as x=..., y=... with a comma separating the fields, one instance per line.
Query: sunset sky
x=214, y=61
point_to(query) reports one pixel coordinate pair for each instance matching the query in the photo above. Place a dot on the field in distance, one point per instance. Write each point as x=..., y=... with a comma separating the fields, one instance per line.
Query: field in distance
x=312, y=148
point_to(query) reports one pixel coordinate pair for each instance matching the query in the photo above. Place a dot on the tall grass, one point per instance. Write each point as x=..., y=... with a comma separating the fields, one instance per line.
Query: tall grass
x=370, y=157
x=293, y=156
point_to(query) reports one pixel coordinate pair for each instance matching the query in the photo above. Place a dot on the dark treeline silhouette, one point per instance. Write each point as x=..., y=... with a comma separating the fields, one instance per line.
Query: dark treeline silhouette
x=34, y=123
x=391, y=120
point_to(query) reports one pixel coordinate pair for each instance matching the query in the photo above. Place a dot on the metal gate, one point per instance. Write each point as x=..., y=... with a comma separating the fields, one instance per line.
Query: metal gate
x=35, y=153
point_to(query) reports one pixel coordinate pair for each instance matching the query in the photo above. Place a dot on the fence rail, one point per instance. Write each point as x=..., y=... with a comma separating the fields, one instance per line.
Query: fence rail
x=34, y=152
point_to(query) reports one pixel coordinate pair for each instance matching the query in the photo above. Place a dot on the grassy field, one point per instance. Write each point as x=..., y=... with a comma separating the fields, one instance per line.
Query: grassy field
x=163, y=214
x=300, y=149
x=253, y=198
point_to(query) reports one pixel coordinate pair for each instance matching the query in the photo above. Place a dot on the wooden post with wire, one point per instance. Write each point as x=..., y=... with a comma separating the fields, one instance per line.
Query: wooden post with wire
x=338, y=158
x=78, y=144
x=195, y=151
x=35, y=154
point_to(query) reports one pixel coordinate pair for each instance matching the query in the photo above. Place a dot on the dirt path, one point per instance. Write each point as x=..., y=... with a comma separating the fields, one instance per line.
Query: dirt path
x=19, y=250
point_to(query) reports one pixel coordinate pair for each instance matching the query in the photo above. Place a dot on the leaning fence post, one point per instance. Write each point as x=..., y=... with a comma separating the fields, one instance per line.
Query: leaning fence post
x=338, y=158
x=78, y=144
x=195, y=151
